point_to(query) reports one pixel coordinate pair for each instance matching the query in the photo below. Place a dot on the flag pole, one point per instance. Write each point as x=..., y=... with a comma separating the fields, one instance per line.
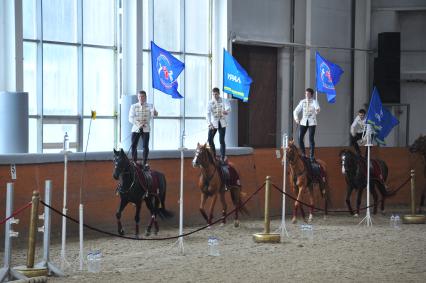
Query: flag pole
x=367, y=218
x=283, y=227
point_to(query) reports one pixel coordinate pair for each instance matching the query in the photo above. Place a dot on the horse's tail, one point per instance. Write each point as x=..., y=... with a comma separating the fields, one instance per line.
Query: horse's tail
x=381, y=183
x=162, y=211
x=385, y=192
x=237, y=197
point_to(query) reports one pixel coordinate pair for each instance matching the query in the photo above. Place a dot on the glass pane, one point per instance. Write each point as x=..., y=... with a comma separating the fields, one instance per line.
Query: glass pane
x=29, y=11
x=197, y=26
x=166, y=134
x=99, y=81
x=53, y=137
x=101, y=134
x=196, y=131
x=167, y=24
x=197, y=92
x=166, y=105
x=32, y=135
x=99, y=22
x=60, y=20
x=146, y=65
x=145, y=33
x=30, y=75
x=60, y=80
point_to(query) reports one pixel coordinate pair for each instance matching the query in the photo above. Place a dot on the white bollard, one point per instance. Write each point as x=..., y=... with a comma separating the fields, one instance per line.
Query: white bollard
x=7, y=273
x=52, y=269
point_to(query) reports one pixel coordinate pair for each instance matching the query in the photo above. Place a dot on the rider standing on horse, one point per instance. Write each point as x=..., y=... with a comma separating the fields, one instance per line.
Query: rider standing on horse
x=140, y=116
x=357, y=128
x=217, y=112
x=309, y=108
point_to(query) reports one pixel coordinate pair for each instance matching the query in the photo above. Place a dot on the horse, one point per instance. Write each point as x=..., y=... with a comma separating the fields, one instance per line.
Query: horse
x=305, y=175
x=354, y=167
x=212, y=183
x=136, y=185
x=419, y=147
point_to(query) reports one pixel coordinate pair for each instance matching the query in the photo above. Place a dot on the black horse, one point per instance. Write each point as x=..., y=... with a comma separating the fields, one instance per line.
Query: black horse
x=419, y=147
x=354, y=167
x=136, y=185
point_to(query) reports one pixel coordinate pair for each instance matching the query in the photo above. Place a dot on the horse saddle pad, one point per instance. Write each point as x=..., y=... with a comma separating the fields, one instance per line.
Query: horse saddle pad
x=315, y=170
x=229, y=175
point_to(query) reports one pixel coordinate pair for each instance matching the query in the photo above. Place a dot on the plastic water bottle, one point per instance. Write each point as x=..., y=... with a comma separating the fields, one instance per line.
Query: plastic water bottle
x=94, y=259
x=66, y=142
x=397, y=224
x=307, y=232
x=213, y=243
x=392, y=221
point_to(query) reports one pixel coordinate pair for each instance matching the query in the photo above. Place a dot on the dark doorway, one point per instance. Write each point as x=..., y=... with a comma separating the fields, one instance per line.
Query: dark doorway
x=257, y=118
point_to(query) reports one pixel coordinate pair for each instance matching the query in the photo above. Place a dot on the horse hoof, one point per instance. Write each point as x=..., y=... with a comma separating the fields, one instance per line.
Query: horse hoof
x=236, y=224
x=311, y=217
x=156, y=233
x=325, y=217
x=147, y=233
x=294, y=220
x=356, y=215
x=222, y=224
x=137, y=236
x=121, y=232
x=383, y=212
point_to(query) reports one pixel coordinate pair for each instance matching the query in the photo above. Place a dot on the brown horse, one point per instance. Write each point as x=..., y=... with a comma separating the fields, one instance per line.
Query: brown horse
x=306, y=176
x=212, y=184
x=419, y=147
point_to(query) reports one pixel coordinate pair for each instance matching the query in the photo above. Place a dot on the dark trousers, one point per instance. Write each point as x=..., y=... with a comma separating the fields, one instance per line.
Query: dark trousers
x=212, y=133
x=145, y=143
x=302, y=132
x=354, y=142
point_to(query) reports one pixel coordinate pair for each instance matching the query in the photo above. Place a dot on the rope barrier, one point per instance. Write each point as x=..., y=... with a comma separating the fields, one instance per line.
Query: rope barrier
x=150, y=239
x=338, y=211
x=16, y=212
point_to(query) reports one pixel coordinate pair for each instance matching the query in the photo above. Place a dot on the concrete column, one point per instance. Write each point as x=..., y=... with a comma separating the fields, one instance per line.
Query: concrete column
x=231, y=137
x=126, y=126
x=13, y=122
x=308, y=43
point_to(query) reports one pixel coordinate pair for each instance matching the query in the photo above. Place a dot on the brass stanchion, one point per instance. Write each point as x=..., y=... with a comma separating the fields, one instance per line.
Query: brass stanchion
x=30, y=270
x=413, y=218
x=266, y=236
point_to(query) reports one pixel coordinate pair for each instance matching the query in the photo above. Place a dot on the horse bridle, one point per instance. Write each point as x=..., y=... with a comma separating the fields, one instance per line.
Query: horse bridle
x=293, y=160
x=126, y=171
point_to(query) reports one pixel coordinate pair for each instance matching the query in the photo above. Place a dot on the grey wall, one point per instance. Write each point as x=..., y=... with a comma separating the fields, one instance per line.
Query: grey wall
x=268, y=23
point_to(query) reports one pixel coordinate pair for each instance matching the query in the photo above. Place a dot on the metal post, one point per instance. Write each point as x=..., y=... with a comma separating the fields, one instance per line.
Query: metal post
x=266, y=236
x=64, y=262
x=182, y=160
x=52, y=269
x=413, y=218
x=267, y=221
x=81, y=236
x=7, y=273
x=413, y=192
x=367, y=218
x=33, y=229
x=283, y=227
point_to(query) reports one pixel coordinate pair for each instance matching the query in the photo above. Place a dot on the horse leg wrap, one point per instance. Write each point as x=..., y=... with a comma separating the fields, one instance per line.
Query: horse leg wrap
x=137, y=229
x=224, y=216
x=156, y=227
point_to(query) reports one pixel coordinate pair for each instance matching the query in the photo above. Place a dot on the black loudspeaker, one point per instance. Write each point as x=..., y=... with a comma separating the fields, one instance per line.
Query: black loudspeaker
x=387, y=67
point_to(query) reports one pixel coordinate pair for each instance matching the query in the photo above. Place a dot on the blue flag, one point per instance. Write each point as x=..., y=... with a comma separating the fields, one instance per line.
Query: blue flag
x=328, y=76
x=236, y=81
x=165, y=71
x=380, y=118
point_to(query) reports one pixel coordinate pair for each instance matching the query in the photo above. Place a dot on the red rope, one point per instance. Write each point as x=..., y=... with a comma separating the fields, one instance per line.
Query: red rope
x=16, y=212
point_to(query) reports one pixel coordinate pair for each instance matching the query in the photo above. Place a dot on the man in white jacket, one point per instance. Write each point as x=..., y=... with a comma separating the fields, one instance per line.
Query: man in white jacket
x=217, y=112
x=357, y=128
x=140, y=115
x=309, y=108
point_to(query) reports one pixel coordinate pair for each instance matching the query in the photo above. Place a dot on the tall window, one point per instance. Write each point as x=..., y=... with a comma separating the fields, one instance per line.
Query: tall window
x=183, y=28
x=69, y=70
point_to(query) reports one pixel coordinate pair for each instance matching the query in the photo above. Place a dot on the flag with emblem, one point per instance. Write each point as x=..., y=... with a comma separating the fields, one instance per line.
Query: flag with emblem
x=380, y=118
x=236, y=81
x=165, y=71
x=328, y=76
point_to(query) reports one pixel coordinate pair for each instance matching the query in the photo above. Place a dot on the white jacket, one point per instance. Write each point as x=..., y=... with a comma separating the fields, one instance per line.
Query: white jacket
x=358, y=126
x=309, y=108
x=140, y=116
x=215, y=112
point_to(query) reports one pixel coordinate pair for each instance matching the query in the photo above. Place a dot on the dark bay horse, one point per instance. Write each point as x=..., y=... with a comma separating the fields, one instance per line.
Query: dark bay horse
x=306, y=176
x=136, y=185
x=212, y=184
x=419, y=147
x=354, y=168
